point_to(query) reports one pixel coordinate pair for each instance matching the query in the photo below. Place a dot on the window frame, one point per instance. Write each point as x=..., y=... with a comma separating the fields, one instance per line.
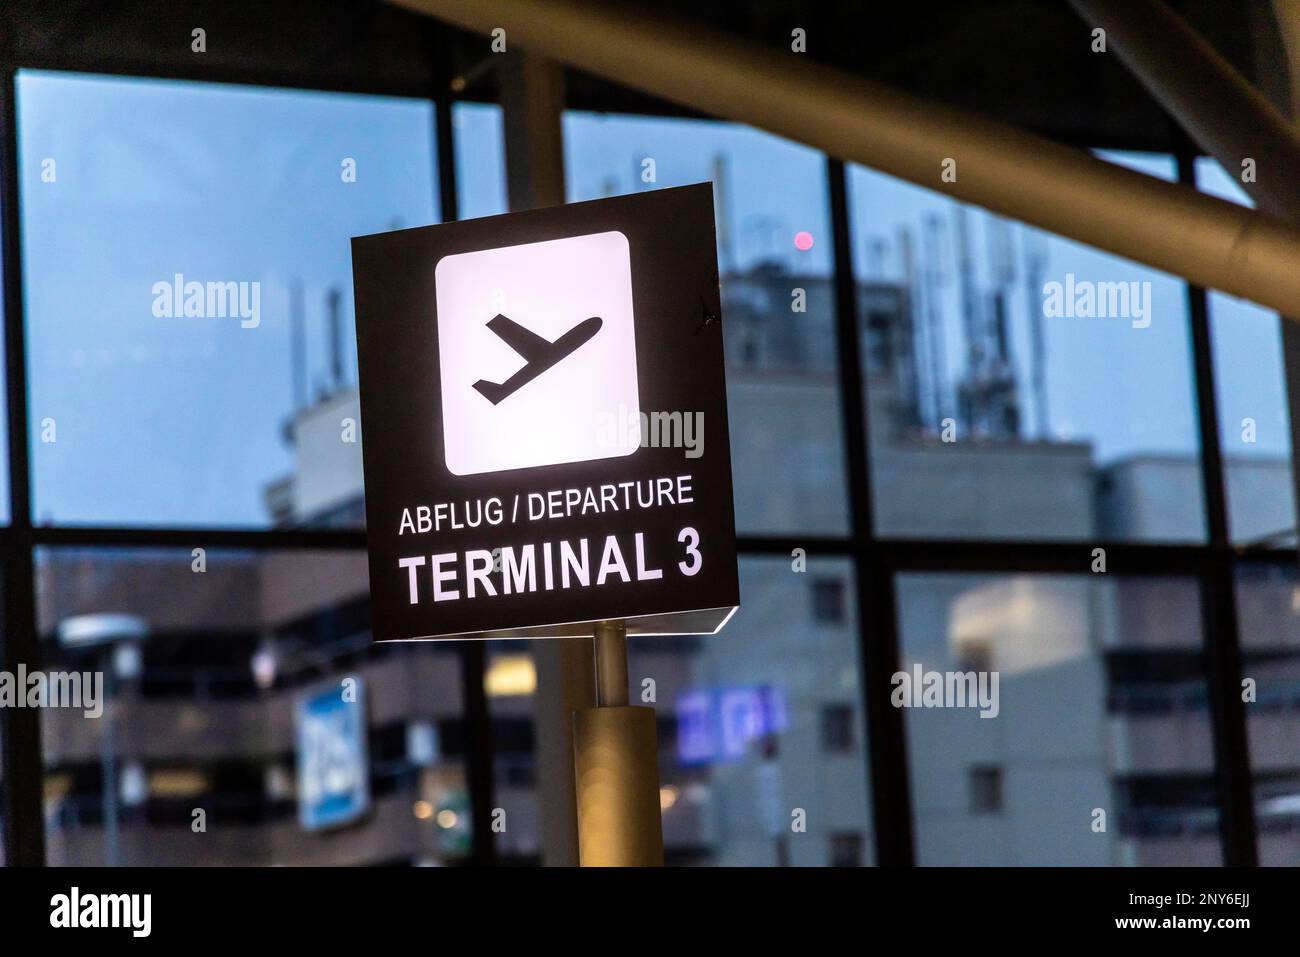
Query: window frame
x=877, y=560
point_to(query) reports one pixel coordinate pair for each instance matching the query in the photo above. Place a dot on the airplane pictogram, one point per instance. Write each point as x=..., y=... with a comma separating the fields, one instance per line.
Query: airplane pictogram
x=539, y=353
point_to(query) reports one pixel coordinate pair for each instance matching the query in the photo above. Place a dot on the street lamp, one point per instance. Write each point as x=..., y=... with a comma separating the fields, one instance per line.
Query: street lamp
x=116, y=638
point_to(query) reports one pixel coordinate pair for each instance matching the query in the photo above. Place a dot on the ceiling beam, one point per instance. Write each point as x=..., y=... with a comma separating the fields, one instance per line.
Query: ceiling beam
x=1209, y=241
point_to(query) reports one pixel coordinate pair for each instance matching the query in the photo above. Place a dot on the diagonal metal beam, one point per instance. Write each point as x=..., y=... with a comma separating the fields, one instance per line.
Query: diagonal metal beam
x=1209, y=241
x=1216, y=105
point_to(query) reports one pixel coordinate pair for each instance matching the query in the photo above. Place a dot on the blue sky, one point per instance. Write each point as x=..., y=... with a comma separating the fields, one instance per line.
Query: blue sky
x=177, y=421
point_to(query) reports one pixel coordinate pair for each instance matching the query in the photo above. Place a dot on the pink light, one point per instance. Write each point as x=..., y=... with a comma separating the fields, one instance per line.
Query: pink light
x=803, y=240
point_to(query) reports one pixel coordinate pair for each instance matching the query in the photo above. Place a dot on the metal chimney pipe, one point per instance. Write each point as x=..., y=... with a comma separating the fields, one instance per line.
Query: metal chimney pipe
x=297, y=347
x=334, y=323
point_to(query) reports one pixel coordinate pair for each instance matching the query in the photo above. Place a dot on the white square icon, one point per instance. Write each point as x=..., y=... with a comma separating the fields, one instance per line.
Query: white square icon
x=537, y=354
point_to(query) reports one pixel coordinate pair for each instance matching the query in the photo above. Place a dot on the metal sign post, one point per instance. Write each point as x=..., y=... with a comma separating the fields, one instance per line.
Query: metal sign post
x=616, y=763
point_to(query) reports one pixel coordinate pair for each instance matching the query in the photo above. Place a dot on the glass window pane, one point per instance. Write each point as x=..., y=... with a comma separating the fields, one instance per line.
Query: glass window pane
x=510, y=681
x=225, y=730
x=1268, y=612
x=189, y=293
x=760, y=728
x=1020, y=385
x=1250, y=386
x=774, y=254
x=1056, y=720
x=480, y=143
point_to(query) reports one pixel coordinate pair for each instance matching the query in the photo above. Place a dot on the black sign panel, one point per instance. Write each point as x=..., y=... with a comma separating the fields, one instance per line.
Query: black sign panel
x=544, y=421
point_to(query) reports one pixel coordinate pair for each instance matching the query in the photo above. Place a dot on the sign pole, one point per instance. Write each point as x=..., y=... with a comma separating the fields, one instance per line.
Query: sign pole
x=616, y=763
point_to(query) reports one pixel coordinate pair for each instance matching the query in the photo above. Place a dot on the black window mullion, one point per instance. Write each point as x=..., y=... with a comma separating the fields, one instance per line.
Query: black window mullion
x=877, y=622
x=1218, y=594
x=23, y=784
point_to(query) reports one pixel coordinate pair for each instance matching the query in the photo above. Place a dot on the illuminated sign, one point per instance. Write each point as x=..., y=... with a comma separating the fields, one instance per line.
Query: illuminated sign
x=545, y=422
x=722, y=724
x=333, y=757
x=498, y=414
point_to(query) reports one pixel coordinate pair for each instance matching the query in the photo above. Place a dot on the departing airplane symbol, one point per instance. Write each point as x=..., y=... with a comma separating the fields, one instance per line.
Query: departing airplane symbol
x=540, y=354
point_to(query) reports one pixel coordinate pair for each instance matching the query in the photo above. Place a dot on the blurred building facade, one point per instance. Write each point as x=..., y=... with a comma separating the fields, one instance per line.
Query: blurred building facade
x=756, y=722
